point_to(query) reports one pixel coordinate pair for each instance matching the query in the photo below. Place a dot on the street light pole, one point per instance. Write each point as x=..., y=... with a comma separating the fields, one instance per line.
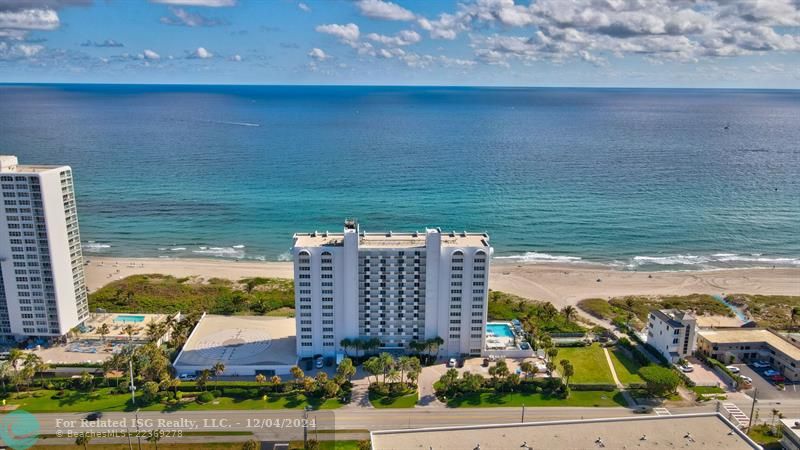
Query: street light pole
x=752, y=409
x=133, y=386
x=523, y=413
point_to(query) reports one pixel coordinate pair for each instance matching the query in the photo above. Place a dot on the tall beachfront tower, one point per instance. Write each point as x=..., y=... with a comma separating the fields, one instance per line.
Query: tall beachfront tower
x=42, y=286
x=397, y=287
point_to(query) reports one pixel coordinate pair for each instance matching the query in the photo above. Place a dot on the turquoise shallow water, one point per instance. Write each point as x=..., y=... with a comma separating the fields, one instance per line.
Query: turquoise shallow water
x=641, y=179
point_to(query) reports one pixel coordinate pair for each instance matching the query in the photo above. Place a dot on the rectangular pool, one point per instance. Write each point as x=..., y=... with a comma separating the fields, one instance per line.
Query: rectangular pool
x=135, y=319
x=499, y=330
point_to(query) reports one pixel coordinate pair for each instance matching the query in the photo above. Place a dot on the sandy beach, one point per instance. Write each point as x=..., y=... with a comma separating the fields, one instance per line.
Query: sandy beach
x=561, y=285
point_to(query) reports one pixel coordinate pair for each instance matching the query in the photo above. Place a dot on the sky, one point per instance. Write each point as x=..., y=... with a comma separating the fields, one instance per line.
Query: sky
x=620, y=43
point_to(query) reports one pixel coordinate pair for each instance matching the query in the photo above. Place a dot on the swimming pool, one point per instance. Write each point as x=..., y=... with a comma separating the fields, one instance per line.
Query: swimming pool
x=499, y=330
x=135, y=319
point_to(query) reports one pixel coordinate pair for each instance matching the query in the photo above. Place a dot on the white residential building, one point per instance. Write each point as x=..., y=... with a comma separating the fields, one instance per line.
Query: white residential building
x=42, y=286
x=397, y=287
x=672, y=332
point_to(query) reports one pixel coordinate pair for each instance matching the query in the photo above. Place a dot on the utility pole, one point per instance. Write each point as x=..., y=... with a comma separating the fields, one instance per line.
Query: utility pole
x=752, y=409
x=305, y=428
x=128, y=432
x=133, y=387
x=138, y=433
x=523, y=413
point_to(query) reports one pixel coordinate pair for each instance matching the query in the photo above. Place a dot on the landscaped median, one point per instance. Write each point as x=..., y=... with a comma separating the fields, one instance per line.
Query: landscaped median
x=188, y=397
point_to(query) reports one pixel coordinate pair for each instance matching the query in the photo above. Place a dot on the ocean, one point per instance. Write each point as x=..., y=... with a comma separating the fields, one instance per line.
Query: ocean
x=656, y=179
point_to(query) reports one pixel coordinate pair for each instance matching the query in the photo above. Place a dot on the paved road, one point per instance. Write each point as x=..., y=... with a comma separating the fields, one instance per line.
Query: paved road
x=287, y=424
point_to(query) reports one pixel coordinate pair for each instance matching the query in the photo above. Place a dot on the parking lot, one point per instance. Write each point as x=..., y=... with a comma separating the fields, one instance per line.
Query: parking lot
x=702, y=375
x=766, y=389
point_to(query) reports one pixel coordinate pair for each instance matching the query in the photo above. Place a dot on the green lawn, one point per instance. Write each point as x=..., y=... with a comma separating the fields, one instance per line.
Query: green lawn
x=705, y=390
x=589, y=362
x=403, y=401
x=760, y=434
x=576, y=398
x=80, y=402
x=626, y=368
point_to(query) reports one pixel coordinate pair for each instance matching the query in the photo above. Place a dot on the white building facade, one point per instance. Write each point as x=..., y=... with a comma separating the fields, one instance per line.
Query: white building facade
x=42, y=285
x=396, y=287
x=672, y=332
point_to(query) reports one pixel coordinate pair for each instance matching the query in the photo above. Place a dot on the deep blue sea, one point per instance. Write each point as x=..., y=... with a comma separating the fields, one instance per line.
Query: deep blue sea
x=637, y=178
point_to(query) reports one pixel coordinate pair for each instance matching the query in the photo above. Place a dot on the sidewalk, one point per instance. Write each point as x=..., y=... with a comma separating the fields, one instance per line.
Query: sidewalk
x=628, y=397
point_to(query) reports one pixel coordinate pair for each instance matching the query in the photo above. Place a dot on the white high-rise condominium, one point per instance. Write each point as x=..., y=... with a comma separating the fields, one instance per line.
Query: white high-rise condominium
x=42, y=286
x=396, y=287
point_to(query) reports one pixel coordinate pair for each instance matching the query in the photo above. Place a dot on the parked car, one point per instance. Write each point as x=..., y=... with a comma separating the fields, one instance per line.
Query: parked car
x=485, y=362
x=187, y=377
x=746, y=379
x=451, y=363
x=760, y=364
x=733, y=369
x=93, y=417
x=460, y=362
x=778, y=378
x=771, y=373
x=686, y=367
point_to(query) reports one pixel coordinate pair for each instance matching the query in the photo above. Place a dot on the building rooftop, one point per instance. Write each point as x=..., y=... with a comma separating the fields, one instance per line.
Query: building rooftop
x=701, y=431
x=10, y=164
x=673, y=316
x=240, y=341
x=791, y=426
x=746, y=335
x=391, y=239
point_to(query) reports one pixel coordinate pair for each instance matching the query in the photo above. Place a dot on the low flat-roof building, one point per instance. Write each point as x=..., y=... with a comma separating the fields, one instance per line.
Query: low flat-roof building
x=706, y=431
x=790, y=434
x=751, y=344
x=247, y=345
x=672, y=333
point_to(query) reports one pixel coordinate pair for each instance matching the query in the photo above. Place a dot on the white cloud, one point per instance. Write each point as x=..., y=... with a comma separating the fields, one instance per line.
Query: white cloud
x=149, y=54
x=318, y=54
x=29, y=19
x=304, y=7
x=236, y=58
x=183, y=17
x=18, y=51
x=348, y=33
x=202, y=53
x=206, y=3
x=380, y=9
x=403, y=38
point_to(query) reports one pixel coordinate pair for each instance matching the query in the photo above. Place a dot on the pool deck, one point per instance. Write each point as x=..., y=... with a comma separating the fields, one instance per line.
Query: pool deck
x=117, y=328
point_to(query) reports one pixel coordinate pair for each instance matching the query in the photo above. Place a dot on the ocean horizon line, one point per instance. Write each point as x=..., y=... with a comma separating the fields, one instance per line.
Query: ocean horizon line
x=437, y=86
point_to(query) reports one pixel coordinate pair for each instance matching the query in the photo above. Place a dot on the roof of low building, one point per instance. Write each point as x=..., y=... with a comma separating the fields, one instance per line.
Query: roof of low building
x=701, y=431
x=750, y=335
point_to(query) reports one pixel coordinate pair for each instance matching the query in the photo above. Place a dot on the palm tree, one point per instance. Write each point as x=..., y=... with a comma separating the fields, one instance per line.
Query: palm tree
x=345, y=344
x=83, y=440
x=154, y=437
x=527, y=367
x=373, y=367
x=435, y=344
x=250, y=444
x=261, y=378
x=569, y=312
x=103, y=331
x=794, y=314
x=297, y=373
x=218, y=368
x=386, y=361
x=130, y=330
x=154, y=331
x=202, y=380
x=5, y=371
x=275, y=380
